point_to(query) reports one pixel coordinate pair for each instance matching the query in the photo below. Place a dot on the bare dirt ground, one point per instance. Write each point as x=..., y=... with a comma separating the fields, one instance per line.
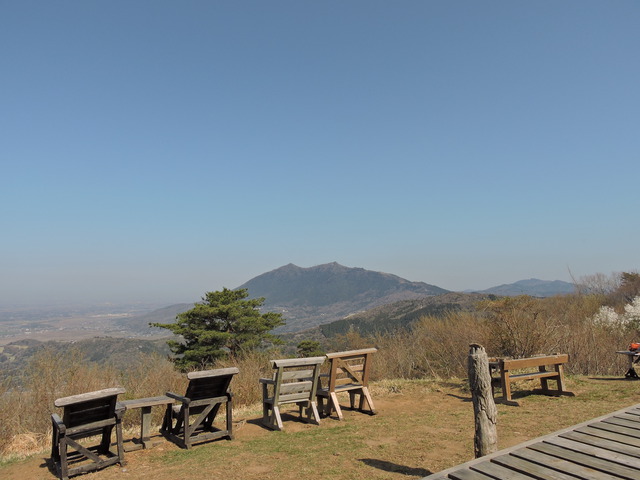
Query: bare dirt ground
x=421, y=427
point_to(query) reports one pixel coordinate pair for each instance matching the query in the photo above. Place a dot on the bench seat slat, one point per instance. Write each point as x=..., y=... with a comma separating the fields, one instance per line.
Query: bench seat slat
x=531, y=375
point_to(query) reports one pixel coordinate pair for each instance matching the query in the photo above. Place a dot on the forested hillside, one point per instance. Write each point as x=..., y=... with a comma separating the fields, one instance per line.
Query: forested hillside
x=317, y=295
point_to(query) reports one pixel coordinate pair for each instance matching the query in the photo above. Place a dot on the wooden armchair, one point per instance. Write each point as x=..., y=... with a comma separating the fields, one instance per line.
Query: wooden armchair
x=348, y=372
x=191, y=420
x=294, y=380
x=86, y=415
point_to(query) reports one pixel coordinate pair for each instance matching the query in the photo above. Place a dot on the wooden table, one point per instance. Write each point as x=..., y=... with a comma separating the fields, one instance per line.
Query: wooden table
x=607, y=447
x=633, y=357
x=144, y=404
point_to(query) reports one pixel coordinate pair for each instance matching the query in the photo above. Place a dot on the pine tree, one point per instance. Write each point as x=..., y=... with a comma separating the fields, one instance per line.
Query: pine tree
x=224, y=323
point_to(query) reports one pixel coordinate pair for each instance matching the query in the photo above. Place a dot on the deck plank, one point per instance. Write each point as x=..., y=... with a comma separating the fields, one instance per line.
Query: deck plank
x=611, y=427
x=586, y=460
x=494, y=470
x=596, y=451
x=535, y=470
x=562, y=466
x=603, y=443
x=615, y=436
x=467, y=474
x=629, y=416
x=623, y=423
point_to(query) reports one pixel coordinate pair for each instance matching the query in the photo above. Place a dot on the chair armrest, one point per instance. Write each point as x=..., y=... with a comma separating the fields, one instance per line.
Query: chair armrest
x=267, y=381
x=180, y=398
x=57, y=423
x=119, y=412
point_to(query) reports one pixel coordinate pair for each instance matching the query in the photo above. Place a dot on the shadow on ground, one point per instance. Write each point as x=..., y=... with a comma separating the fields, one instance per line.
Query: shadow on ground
x=395, y=468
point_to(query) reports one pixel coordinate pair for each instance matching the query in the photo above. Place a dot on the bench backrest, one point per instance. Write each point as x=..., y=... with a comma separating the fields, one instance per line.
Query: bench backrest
x=296, y=379
x=209, y=383
x=350, y=367
x=543, y=360
x=87, y=408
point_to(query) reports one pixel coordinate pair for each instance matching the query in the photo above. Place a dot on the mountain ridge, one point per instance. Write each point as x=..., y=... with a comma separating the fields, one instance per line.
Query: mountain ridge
x=532, y=286
x=309, y=297
x=312, y=296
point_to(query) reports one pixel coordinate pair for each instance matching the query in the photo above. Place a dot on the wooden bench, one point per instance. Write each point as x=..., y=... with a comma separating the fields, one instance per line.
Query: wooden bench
x=549, y=367
x=348, y=372
x=191, y=419
x=91, y=415
x=295, y=380
x=144, y=404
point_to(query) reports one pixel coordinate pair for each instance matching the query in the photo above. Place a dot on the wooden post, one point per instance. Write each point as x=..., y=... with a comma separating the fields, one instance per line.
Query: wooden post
x=484, y=408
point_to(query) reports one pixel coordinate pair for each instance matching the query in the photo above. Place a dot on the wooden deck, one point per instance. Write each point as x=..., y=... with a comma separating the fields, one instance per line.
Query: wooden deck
x=603, y=448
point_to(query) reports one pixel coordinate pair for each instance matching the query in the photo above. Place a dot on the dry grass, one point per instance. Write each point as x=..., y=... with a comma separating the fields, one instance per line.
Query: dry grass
x=436, y=349
x=422, y=426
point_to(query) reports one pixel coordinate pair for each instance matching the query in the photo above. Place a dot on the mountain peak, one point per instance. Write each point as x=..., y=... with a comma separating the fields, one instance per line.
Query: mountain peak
x=323, y=293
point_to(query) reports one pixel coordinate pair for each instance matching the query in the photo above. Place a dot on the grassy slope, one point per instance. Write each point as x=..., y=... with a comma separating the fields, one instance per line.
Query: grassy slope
x=422, y=427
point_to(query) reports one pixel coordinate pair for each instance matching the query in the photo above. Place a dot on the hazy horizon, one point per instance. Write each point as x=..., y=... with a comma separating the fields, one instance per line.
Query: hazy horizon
x=159, y=304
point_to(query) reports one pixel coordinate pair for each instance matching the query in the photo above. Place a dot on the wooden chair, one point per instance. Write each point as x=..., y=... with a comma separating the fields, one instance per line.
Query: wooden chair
x=295, y=380
x=86, y=415
x=191, y=420
x=348, y=372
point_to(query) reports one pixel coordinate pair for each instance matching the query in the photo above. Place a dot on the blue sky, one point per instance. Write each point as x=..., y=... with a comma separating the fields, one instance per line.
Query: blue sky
x=152, y=151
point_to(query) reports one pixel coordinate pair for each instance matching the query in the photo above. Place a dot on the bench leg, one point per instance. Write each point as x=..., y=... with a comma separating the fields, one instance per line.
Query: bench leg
x=328, y=407
x=560, y=370
x=276, y=418
x=229, y=407
x=145, y=421
x=120, y=444
x=366, y=395
x=506, y=386
x=186, y=429
x=271, y=417
x=544, y=382
x=64, y=465
x=312, y=413
x=334, y=403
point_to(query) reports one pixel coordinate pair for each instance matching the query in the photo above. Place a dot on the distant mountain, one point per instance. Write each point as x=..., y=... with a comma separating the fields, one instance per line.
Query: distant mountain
x=532, y=287
x=344, y=296
x=308, y=297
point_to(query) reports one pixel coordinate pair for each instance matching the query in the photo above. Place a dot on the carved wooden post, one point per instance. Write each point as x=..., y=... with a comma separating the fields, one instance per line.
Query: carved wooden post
x=484, y=408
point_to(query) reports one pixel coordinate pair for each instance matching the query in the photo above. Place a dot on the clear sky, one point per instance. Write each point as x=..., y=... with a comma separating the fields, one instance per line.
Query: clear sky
x=155, y=150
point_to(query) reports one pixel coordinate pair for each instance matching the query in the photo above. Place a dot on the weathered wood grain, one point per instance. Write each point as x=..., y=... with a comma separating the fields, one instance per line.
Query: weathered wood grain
x=191, y=421
x=484, y=408
x=348, y=373
x=295, y=381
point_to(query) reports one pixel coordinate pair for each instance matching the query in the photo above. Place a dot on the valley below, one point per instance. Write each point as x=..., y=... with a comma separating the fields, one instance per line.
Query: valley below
x=72, y=323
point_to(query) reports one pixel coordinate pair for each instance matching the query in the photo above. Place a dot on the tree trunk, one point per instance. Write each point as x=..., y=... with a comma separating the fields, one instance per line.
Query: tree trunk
x=484, y=408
